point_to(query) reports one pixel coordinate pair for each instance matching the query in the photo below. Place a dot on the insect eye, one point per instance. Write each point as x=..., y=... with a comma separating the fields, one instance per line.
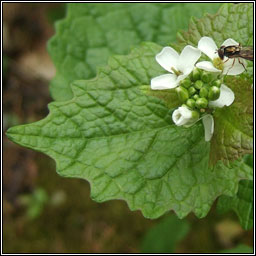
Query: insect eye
x=220, y=53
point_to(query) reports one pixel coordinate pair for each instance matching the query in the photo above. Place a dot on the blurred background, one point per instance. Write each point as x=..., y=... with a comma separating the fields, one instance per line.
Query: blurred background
x=45, y=213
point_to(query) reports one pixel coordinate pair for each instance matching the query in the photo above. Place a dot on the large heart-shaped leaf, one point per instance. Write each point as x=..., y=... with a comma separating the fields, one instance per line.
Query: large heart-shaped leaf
x=125, y=144
x=120, y=137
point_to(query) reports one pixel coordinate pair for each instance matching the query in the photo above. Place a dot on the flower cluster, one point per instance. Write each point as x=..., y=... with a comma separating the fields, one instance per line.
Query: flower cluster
x=199, y=86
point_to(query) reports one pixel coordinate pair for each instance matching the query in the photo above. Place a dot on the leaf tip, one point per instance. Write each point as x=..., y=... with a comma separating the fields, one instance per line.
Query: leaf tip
x=12, y=134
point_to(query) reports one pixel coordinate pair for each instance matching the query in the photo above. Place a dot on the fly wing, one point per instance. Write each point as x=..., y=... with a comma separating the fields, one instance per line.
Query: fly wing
x=247, y=53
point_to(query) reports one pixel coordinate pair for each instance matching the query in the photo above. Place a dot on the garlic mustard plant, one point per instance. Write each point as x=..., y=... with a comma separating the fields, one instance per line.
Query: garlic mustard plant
x=199, y=86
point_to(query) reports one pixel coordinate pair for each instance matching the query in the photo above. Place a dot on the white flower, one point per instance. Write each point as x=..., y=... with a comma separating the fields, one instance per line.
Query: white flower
x=226, y=99
x=228, y=66
x=180, y=66
x=184, y=116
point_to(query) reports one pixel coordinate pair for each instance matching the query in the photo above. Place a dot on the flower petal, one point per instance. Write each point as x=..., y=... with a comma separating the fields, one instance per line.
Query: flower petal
x=229, y=42
x=176, y=117
x=185, y=112
x=168, y=58
x=232, y=67
x=208, y=123
x=208, y=47
x=188, y=58
x=226, y=98
x=207, y=65
x=167, y=81
x=181, y=116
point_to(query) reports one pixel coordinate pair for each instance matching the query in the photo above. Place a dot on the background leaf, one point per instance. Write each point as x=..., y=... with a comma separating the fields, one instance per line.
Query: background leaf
x=92, y=32
x=164, y=236
x=125, y=144
x=241, y=203
x=232, y=21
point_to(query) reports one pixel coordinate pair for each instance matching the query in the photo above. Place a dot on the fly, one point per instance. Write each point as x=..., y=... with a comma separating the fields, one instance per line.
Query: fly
x=236, y=51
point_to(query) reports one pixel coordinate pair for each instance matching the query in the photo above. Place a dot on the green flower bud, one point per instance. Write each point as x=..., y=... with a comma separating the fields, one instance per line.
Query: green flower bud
x=203, y=92
x=206, y=77
x=196, y=73
x=191, y=103
x=198, y=84
x=186, y=83
x=214, y=93
x=217, y=83
x=195, y=115
x=201, y=103
x=182, y=93
x=191, y=91
x=196, y=96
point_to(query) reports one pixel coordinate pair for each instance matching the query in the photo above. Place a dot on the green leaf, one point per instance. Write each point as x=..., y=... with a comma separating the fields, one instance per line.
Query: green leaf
x=232, y=21
x=168, y=96
x=125, y=144
x=233, y=131
x=241, y=248
x=164, y=236
x=241, y=203
x=92, y=32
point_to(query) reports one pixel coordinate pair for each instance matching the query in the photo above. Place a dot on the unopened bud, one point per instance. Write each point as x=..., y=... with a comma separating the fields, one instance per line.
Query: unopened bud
x=217, y=83
x=206, y=77
x=191, y=103
x=198, y=84
x=191, y=91
x=214, y=93
x=201, y=103
x=196, y=73
x=186, y=83
x=182, y=93
x=196, y=96
x=195, y=115
x=203, y=92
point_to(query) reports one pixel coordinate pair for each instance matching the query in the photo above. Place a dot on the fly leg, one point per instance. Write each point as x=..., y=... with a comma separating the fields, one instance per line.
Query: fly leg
x=231, y=66
x=242, y=64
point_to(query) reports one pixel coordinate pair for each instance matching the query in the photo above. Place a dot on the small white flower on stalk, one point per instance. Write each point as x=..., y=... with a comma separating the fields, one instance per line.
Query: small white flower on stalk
x=227, y=66
x=186, y=117
x=180, y=66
